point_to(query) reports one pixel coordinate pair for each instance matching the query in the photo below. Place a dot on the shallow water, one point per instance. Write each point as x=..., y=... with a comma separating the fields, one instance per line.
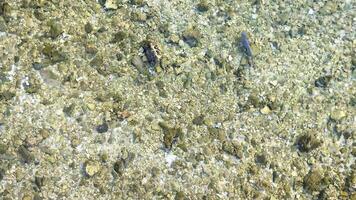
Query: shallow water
x=138, y=99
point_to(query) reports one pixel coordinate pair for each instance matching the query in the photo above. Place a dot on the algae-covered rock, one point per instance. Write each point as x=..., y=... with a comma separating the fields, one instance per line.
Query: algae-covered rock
x=2, y=174
x=234, y=149
x=191, y=37
x=123, y=162
x=261, y=159
x=55, y=29
x=307, y=142
x=203, y=6
x=88, y=27
x=198, y=120
x=25, y=154
x=118, y=36
x=313, y=180
x=170, y=134
x=5, y=9
x=138, y=2
x=7, y=95
x=53, y=53
x=33, y=85
x=40, y=181
x=254, y=101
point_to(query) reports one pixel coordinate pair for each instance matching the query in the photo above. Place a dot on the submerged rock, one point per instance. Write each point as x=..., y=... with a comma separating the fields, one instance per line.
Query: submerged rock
x=313, y=180
x=322, y=82
x=307, y=142
x=102, y=128
x=25, y=154
x=91, y=168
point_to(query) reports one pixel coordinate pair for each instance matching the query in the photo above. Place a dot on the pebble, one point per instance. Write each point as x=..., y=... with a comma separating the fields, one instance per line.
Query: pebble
x=322, y=82
x=190, y=40
x=137, y=62
x=91, y=168
x=55, y=29
x=2, y=174
x=337, y=115
x=37, y=66
x=203, y=6
x=102, y=128
x=191, y=37
x=265, y=110
x=307, y=142
x=198, y=120
x=26, y=154
x=110, y=5
x=313, y=180
x=88, y=27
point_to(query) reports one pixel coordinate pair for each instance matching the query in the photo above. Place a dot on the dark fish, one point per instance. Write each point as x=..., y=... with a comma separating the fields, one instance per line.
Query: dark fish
x=246, y=47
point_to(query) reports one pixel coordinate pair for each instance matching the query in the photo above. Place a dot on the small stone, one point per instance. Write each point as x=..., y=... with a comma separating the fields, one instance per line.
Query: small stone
x=91, y=49
x=110, y=4
x=244, y=61
x=152, y=53
x=69, y=110
x=139, y=16
x=119, y=56
x=39, y=181
x=44, y=133
x=254, y=101
x=53, y=54
x=199, y=120
x=3, y=148
x=88, y=27
x=203, y=6
x=234, y=149
x=337, y=115
x=91, y=106
x=138, y=2
x=97, y=61
x=2, y=174
x=6, y=95
x=104, y=157
x=102, y=128
x=26, y=154
x=119, y=166
x=137, y=62
x=322, y=82
x=37, y=197
x=261, y=159
x=39, y=15
x=118, y=37
x=27, y=197
x=313, y=180
x=37, y=66
x=174, y=38
x=91, y=168
x=191, y=37
x=180, y=195
x=171, y=134
x=55, y=29
x=307, y=142
x=265, y=110
x=5, y=9
x=190, y=40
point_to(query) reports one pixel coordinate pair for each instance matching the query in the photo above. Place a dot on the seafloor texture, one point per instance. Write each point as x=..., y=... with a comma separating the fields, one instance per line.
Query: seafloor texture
x=154, y=99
